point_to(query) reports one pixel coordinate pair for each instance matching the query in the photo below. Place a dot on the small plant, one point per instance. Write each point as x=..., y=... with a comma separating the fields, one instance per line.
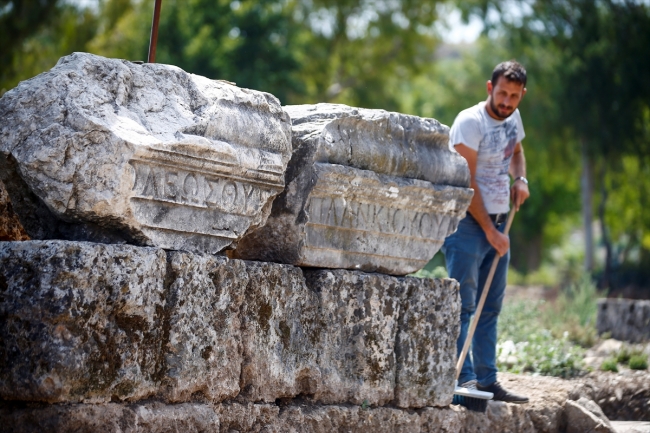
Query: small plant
x=365, y=404
x=638, y=362
x=609, y=364
x=623, y=356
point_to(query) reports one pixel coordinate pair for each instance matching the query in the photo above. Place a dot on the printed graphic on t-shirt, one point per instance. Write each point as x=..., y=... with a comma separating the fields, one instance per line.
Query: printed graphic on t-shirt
x=494, y=155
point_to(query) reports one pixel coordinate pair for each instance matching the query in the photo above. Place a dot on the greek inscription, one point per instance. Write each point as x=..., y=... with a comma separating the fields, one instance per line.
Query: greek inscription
x=190, y=188
x=338, y=212
x=426, y=226
x=171, y=178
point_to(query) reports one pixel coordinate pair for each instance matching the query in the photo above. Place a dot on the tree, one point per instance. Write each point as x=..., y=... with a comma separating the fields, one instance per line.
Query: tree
x=604, y=95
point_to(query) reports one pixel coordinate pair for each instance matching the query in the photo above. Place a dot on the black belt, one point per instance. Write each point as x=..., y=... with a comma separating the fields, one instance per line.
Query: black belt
x=498, y=218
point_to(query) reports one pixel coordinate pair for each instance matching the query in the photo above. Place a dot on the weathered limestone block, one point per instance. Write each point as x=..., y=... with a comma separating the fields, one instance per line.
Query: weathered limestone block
x=79, y=321
x=366, y=189
x=10, y=227
x=625, y=319
x=356, y=352
x=112, y=151
x=203, y=350
x=111, y=418
x=426, y=343
x=155, y=417
x=280, y=333
x=85, y=322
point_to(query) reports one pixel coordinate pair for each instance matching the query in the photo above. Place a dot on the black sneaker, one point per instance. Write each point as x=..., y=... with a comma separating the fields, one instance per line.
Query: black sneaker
x=502, y=394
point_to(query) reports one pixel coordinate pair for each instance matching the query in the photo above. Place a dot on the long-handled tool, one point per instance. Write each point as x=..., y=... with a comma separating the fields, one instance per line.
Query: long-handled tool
x=474, y=399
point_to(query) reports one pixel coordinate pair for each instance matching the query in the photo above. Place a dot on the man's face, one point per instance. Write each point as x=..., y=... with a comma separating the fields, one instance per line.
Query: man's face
x=504, y=97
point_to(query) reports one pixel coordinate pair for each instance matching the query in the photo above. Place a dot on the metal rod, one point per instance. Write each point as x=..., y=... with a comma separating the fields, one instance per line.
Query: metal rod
x=153, y=40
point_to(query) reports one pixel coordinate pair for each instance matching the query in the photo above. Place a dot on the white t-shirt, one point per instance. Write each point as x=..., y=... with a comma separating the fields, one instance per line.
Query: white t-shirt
x=495, y=141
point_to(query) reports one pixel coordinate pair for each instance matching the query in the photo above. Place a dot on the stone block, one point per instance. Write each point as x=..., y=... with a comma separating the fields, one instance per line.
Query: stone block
x=426, y=343
x=84, y=322
x=112, y=151
x=80, y=321
x=624, y=319
x=280, y=332
x=203, y=341
x=111, y=418
x=366, y=189
x=356, y=351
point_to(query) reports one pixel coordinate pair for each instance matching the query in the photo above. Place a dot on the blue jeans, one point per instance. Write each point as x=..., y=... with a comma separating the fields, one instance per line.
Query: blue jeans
x=469, y=257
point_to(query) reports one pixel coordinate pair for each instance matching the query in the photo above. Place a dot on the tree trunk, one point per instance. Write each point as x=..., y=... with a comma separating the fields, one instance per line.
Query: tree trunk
x=587, y=193
x=604, y=232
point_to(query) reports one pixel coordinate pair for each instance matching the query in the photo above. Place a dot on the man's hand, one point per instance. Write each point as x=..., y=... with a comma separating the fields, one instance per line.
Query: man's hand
x=519, y=193
x=499, y=241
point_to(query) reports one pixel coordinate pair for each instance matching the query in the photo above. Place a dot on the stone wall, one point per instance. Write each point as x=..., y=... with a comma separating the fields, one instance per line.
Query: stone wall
x=95, y=323
x=624, y=319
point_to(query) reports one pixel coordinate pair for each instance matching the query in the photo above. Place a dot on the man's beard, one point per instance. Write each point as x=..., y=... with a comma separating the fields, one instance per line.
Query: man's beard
x=496, y=111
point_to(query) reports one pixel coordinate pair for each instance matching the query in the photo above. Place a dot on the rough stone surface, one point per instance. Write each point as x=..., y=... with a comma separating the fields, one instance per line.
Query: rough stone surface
x=79, y=321
x=155, y=417
x=111, y=418
x=624, y=396
x=426, y=373
x=84, y=322
x=203, y=350
x=280, y=334
x=356, y=352
x=624, y=319
x=10, y=227
x=366, y=189
x=567, y=408
x=581, y=420
x=111, y=151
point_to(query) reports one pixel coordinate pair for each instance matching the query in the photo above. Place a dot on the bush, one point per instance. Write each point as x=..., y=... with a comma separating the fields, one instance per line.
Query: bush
x=609, y=364
x=638, y=362
x=623, y=356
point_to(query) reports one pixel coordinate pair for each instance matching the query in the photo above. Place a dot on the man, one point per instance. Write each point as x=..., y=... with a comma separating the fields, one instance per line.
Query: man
x=488, y=135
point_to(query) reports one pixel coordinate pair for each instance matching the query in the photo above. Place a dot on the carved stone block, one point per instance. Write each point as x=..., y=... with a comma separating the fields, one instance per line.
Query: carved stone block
x=111, y=151
x=366, y=189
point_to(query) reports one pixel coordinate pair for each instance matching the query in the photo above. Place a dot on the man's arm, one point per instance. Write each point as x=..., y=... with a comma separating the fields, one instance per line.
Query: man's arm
x=519, y=191
x=498, y=240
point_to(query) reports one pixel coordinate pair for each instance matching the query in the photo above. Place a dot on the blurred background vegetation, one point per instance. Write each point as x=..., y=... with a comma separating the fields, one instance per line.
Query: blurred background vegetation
x=586, y=114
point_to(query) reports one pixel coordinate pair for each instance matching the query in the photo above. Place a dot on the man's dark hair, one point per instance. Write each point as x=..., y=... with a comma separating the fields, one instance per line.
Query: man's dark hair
x=511, y=71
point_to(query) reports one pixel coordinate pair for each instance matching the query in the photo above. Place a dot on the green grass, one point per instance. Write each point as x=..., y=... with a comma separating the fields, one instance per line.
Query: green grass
x=609, y=364
x=549, y=338
x=638, y=362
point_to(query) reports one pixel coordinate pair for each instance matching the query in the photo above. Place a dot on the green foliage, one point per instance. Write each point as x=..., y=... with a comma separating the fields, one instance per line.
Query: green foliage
x=575, y=311
x=609, y=365
x=638, y=362
x=525, y=345
x=576, y=47
x=623, y=356
x=437, y=272
x=549, y=338
x=633, y=358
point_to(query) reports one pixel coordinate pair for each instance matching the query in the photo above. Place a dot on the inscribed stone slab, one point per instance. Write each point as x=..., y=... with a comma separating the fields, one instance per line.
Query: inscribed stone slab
x=366, y=189
x=112, y=151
